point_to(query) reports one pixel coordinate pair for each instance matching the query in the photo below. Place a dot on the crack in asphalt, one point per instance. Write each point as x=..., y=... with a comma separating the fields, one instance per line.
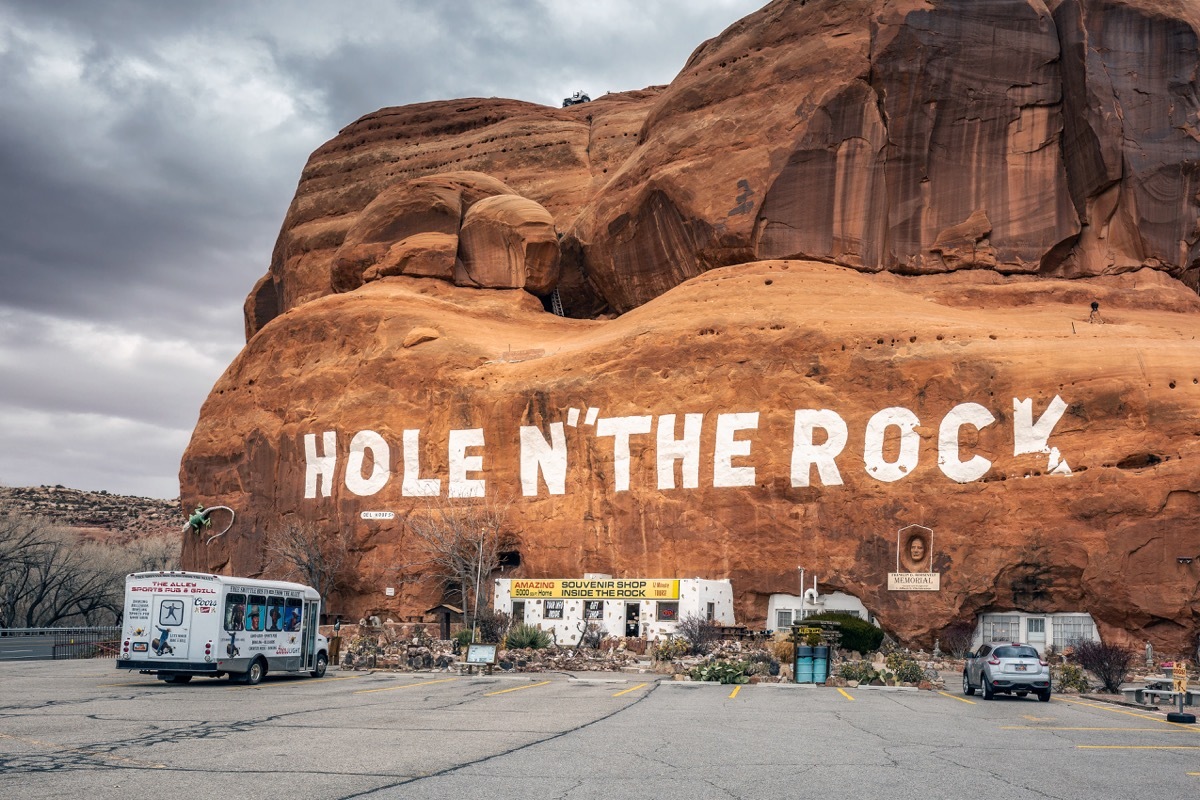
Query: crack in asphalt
x=484, y=759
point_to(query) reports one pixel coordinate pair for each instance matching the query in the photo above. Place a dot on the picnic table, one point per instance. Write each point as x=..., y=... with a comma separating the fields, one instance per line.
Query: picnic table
x=1155, y=691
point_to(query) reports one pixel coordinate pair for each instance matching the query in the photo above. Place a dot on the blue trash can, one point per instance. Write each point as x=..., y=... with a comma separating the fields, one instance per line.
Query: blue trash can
x=820, y=661
x=804, y=664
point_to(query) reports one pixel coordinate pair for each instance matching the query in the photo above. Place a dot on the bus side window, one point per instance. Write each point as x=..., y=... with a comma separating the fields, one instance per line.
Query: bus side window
x=274, y=613
x=256, y=612
x=292, y=614
x=235, y=611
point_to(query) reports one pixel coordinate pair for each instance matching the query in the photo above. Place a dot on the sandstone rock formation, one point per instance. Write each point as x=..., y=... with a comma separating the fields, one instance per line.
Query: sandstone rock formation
x=972, y=175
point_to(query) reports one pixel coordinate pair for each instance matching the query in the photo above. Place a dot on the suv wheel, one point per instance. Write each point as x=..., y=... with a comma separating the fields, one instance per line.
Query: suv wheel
x=1044, y=695
x=988, y=692
x=968, y=689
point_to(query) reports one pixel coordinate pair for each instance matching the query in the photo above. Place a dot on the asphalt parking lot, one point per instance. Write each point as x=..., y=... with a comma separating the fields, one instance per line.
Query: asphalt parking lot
x=83, y=729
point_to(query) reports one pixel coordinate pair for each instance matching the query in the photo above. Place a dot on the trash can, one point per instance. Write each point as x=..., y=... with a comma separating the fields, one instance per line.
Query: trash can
x=804, y=664
x=820, y=664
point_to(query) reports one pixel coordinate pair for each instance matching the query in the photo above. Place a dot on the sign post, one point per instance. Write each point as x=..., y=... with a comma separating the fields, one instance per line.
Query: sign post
x=1179, y=676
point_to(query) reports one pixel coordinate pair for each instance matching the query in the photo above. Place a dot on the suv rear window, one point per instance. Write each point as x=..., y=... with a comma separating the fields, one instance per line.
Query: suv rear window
x=1015, y=652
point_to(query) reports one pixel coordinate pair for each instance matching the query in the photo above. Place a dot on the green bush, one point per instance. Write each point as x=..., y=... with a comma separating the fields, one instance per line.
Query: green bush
x=905, y=667
x=493, y=626
x=722, y=672
x=1069, y=676
x=857, y=634
x=462, y=639
x=860, y=671
x=524, y=637
x=670, y=649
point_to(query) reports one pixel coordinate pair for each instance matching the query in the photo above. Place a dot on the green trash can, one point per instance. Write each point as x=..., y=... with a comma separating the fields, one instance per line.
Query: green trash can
x=804, y=664
x=820, y=664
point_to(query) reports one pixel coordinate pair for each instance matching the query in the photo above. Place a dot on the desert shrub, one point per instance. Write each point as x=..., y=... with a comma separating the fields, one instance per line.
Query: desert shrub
x=670, y=649
x=522, y=637
x=722, y=672
x=1108, y=662
x=860, y=671
x=699, y=631
x=592, y=636
x=857, y=634
x=1067, y=677
x=905, y=667
x=462, y=639
x=763, y=663
x=783, y=651
x=493, y=626
x=956, y=638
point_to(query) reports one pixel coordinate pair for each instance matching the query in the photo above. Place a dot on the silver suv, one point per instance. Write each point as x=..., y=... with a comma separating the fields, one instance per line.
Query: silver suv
x=1007, y=667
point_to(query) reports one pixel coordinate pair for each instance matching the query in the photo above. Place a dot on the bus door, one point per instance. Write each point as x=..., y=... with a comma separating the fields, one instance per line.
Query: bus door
x=169, y=623
x=308, y=639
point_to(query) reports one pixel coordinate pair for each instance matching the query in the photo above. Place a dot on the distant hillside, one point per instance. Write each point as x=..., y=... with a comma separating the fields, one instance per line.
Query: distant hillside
x=98, y=515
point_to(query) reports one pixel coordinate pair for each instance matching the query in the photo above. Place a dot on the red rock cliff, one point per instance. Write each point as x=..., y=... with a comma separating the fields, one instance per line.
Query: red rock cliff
x=972, y=175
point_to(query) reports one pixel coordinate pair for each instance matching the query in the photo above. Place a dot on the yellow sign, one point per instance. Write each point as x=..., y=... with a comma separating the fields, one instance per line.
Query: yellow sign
x=609, y=589
x=1179, y=673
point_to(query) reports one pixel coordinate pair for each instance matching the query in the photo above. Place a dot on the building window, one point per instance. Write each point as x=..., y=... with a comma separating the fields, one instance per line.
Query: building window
x=554, y=609
x=1001, y=628
x=593, y=609
x=783, y=618
x=1070, y=630
x=711, y=613
x=668, y=612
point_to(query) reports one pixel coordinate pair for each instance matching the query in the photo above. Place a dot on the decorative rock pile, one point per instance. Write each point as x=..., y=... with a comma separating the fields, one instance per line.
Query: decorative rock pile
x=405, y=650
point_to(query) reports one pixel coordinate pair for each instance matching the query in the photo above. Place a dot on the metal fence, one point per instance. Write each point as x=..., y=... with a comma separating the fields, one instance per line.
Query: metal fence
x=61, y=643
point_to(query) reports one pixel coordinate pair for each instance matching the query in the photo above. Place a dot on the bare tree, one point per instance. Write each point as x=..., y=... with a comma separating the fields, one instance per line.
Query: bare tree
x=49, y=576
x=311, y=555
x=458, y=543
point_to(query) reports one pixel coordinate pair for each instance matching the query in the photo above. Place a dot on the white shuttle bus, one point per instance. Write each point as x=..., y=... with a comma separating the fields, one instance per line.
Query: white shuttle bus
x=181, y=624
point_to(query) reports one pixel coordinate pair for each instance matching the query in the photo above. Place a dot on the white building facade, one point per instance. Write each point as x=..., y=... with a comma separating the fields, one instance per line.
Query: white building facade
x=1037, y=630
x=648, y=608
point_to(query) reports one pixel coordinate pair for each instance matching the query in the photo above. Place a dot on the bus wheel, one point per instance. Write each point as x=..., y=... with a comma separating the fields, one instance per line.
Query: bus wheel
x=177, y=678
x=319, y=667
x=255, y=673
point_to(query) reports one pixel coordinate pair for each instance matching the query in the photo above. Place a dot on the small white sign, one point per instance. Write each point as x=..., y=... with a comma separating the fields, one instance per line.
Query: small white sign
x=390, y=592
x=914, y=581
x=378, y=515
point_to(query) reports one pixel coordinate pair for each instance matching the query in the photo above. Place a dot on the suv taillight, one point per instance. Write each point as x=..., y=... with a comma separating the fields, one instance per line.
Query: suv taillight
x=1043, y=662
x=995, y=662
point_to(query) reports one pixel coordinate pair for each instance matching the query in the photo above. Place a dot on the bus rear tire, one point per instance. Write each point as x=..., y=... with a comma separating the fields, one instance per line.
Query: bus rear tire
x=320, y=666
x=255, y=674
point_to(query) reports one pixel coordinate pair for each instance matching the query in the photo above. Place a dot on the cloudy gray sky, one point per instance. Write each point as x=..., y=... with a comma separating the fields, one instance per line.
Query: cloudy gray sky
x=149, y=150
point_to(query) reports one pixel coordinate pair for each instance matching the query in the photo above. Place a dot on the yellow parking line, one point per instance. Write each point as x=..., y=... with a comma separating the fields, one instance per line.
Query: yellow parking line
x=405, y=686
x=517, y=688
x=1137, y=747
x=630, y=689
x=1058, y=728
x=845, y=694
x=281, y=685
x=1181, y=725
x=733, y=694
x=956, y=697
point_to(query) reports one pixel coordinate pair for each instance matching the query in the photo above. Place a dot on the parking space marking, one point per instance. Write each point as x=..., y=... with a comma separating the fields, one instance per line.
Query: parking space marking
x=956, y=697
x=137, y=683
x=733, y=694
x=404, y=686
x=630, y=689
x=1179, y=725
x=1063, y=728
x=845, y=694
x=1137, y=747
x=516, y=689
x=288, y=684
